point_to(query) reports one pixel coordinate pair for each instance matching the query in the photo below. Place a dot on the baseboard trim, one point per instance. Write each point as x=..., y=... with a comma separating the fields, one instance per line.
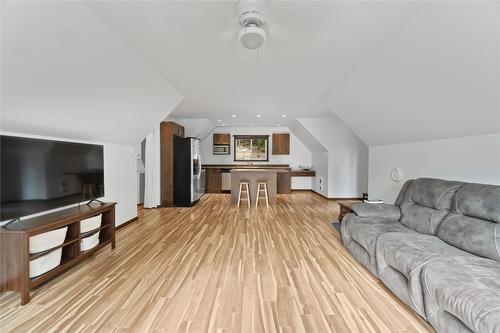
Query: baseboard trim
x=345, y=199
x=320, y=194
x=124, y=224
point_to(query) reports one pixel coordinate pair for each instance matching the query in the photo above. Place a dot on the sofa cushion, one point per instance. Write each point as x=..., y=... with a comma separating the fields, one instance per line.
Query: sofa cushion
x=359, y=235
x=426, y=203
x=366, y=230
x=474, y=222
x=400, y=258
x=467, y=289
x=383, y=211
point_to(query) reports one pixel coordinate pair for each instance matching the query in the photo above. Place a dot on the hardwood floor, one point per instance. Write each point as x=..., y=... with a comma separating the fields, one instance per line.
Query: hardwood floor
x=218, y=268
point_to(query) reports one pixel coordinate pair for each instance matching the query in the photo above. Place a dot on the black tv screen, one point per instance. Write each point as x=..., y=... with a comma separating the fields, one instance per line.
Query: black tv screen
x=39, y=175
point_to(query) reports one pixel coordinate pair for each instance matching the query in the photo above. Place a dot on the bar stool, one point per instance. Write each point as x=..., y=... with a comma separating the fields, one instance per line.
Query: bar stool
x=244, y=189
x=88, y=189
x=261, y=187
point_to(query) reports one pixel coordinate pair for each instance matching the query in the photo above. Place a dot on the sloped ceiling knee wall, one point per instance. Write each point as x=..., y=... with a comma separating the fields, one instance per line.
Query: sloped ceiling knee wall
x=346, y=154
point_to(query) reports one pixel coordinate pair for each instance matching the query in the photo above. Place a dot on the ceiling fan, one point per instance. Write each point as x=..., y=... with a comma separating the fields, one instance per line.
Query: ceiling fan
x=253, y=34
x=252, y=28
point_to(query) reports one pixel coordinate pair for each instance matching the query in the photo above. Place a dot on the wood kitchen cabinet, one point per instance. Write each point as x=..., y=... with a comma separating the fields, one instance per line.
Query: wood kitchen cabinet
x=221, y=138
x=213, y=180
x=168, y=129
x=179, y=130
x=281, y=143
x=284, y=183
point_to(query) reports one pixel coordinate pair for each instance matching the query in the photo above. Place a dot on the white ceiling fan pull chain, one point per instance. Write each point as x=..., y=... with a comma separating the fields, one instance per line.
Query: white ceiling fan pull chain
x=258, y=58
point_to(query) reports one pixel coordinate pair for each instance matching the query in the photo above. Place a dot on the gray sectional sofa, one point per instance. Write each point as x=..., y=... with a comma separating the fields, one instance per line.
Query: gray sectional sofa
x=437, y=248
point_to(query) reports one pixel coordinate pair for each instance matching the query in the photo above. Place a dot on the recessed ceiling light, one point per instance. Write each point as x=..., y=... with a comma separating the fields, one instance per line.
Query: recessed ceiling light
x=223, y=124
x=234, y=116
x=219, y=120
x=258, y=116
x=278, y=125
x=283, y=115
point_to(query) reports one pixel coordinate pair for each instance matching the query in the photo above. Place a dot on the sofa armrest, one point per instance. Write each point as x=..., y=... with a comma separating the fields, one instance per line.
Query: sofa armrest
x=384, y=211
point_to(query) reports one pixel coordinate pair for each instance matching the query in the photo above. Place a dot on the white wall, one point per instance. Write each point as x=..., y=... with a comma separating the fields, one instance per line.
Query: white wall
x=320, y=164
x=347, y=157
x=469, y=159
x=120, y=178
x=319, y=157
x=299, y=153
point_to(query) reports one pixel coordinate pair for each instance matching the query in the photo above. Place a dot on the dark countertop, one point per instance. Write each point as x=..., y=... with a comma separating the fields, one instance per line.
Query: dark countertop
x=261, y=169
x=303, y=173
x=245, y=166
x=271, y=167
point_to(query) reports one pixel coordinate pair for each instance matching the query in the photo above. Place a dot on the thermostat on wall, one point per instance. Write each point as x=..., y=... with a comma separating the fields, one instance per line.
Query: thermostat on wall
x=396, y=174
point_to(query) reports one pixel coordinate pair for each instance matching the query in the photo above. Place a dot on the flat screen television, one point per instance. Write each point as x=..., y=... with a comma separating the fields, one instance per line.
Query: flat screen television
x=39, y=175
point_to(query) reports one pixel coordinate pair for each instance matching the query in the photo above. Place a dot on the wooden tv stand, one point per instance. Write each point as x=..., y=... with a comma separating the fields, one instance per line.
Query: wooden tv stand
x=14, y=245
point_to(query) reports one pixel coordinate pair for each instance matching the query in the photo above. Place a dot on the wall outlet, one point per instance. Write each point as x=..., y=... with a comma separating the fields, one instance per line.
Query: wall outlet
x=321, y=183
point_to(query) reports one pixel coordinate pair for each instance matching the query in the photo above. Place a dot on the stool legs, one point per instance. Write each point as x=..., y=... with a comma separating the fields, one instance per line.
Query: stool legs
x=88, y=189
x=239, y=195
x=244, y=188
x=261, y=187
x=267, y=198
x=258, y=196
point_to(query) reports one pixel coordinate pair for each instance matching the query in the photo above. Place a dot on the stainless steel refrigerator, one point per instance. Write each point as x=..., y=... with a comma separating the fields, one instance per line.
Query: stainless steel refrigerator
x=188, y=181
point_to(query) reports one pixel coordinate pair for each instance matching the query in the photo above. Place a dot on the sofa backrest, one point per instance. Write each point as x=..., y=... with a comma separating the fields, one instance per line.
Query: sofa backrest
x=426, y=203
x=402, y=193
x=473, y=224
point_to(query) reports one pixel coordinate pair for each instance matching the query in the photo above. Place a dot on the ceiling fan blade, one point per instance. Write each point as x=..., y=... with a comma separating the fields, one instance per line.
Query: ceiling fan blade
x=226, y=36
x=230, y=32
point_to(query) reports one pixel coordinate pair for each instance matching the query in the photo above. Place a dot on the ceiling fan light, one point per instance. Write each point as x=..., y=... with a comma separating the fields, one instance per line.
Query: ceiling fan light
x=252, y=37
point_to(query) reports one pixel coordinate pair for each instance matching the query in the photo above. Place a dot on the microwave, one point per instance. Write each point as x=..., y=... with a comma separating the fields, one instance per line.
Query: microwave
x=221, y=150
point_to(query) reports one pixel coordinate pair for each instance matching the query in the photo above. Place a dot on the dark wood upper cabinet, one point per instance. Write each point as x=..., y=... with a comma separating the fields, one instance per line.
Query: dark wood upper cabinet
x=281, y=143
x=222, y=138
x=167, y=131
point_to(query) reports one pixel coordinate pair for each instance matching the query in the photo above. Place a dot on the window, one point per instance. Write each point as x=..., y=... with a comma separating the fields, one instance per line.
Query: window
x=251, y=148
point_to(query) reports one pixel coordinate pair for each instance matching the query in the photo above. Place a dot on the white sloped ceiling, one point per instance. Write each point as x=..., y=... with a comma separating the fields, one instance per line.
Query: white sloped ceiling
x=194, y=44
x=393, y=71
x=436, y=76
x=66, y=74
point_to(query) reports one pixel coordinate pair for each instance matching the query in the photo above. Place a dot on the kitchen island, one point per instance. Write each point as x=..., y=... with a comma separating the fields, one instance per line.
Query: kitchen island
x=254, y=175
x=217, y=181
